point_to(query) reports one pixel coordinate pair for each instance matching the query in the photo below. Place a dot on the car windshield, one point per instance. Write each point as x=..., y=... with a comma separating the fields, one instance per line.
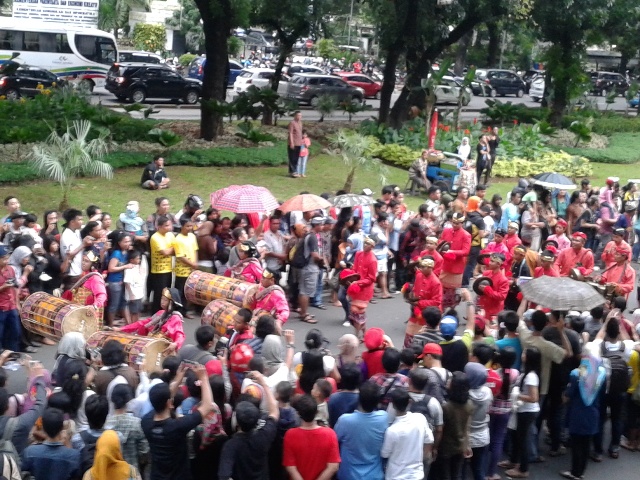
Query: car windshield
x=246, y=74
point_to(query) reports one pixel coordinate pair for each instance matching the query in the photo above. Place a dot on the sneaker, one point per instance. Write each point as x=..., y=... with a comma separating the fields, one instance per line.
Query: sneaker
x=516, y=473
x=556, y=453
x=346, y=323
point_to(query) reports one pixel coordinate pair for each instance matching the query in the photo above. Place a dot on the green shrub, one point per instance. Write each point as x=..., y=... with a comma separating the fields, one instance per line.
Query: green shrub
x=507, y=112
x=149, y=37
x=186, y=58
x=560, y=162
x=623, y=148
x=397, y=155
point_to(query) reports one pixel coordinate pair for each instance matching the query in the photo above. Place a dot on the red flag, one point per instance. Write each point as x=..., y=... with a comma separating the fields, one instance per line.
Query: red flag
x=434, y=129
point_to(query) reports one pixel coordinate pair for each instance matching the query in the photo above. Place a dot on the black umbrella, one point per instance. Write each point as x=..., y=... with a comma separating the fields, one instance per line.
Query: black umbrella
x=553, y=180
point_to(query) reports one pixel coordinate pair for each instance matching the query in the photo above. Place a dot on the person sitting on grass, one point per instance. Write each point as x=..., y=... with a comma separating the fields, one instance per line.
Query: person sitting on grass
x=154, y=176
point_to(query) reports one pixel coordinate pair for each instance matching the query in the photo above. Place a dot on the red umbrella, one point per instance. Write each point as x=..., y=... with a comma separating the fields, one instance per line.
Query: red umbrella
x=304, y=203
x=433, y=131
x=245, y=199
x=218, y=193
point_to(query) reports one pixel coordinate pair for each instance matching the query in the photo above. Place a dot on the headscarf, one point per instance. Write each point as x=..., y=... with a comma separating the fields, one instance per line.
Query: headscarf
x=464, y=150
x=356, y=240
x=591, y=375
x=72, y=345
x=108, y=463
x=131, y=222
x=476, y=373
x=16, y=258
x=348, y=346
x=272, y=353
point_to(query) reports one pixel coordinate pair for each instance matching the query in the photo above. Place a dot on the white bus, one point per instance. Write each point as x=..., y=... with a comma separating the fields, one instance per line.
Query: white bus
x=78, y=54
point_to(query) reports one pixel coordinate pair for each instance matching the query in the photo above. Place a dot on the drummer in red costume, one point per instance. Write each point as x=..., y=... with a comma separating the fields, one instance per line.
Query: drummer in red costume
x=248, y=268
x=90, y=288
x=166, y=323
x=575, y=257
x=426, y=292
x=498, y=245
x=493, y=296
x=361, y=291
x=560, y=237
x=455, y=259
x=431, y=244
x=271, y=297
x=547, y=265
x=620, y=274
x=512, y=239
x=609, y=253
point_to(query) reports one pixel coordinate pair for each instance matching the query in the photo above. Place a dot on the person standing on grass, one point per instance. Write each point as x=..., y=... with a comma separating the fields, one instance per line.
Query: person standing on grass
x=304, y=155
x=186, y=249
x=295, y=143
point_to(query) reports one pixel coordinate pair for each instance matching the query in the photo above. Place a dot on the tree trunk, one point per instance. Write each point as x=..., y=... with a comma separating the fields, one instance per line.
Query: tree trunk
x=348, y=184
x=388, y=84
x=494, y=44
x=411, y=95
x=461, y=53
x=217, y=31
x=561, y=83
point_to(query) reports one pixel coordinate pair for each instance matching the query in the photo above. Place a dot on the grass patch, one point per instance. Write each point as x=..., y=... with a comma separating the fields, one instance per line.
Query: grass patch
x=324, y=174
x=622, y=148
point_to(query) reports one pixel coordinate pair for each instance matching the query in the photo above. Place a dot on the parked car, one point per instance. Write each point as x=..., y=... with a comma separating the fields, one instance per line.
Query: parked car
x=604, y=82
x=494, y=82
x=633, y=103
x=260, y=78
x=138, y=82
x=306, y=88
x=296, y=69
x=196, y=70
x=449, y=89
x=17, y=80
x=536, y=91
x=131, y=56
x=371, y=88
x=528, y=77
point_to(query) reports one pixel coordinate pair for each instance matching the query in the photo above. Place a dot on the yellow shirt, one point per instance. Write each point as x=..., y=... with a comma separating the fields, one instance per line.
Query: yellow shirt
x=161, y=263
x=185, y=246
x=634, y=363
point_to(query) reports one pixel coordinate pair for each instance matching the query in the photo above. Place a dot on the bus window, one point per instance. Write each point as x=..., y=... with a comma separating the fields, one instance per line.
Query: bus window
x=62, y=43
x=5, y=39
x=96, y=49
x=54, y=43
x=31, y=42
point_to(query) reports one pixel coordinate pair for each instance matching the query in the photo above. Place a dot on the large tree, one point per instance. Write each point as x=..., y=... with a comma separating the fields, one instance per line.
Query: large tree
x=219, y=17
x=113, y=15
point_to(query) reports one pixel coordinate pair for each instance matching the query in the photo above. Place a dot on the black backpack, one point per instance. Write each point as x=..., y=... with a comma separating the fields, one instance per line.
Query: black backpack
x=299, y=259
x=88, y=453
x=422, y=407
x=617, y=369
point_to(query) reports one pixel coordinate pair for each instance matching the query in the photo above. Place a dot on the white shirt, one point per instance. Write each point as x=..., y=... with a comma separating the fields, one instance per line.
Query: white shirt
x=595, y=348
x=328, y=362
x=403, y=446
x=275, y=244
x=531, y=380
x=69, y=241
x=134, y=284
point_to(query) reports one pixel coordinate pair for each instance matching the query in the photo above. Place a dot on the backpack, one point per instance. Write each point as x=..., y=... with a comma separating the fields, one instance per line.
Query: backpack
x=442, y=386
x=617, y=369
x=422, y=407
x=88, y=452
x=7, y=448
x=299, y=259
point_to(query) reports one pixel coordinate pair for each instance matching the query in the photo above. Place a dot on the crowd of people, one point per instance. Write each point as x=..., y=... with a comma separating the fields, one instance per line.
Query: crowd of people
x=481, y=370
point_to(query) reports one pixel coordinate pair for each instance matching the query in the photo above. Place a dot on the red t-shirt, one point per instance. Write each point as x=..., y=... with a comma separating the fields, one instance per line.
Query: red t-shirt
x=310, y=462
x=373, y=360
x=494, y=381
x=8, y=295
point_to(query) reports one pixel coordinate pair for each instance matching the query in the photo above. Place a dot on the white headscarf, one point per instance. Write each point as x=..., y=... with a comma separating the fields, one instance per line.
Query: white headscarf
x=464, y=150
x=16, y=258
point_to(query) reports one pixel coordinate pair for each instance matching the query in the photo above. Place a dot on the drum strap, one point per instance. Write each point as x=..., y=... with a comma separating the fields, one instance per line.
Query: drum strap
x=81, y=282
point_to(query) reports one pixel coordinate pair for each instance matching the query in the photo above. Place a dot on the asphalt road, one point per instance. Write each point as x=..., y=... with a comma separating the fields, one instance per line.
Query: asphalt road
x=391, y=315
x=171, y=111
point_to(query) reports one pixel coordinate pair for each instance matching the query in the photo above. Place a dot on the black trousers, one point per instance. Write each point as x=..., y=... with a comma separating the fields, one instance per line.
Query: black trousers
x=579, y=454
x=520, y=449
x=157, y=283
x=294, y=155
x=179, y=285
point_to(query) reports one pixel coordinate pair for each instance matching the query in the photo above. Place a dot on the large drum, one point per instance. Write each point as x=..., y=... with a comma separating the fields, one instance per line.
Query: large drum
x=143, y=353
x=202, y=288
x=257, y=313
x=53, y=317
x=219, y=314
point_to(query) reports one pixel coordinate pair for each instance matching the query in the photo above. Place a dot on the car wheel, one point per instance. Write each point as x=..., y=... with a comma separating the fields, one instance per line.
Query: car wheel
x=12, y=94
x=356, y=101
x=313, y=101
x=138, y=96
x=520, y=93
x=378, y=95
x=192, y=97
x=87, y=85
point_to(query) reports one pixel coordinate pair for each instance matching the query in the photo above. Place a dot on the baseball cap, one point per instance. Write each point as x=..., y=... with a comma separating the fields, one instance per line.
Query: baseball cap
x=448, y=326
x=317, y=221
x=431, y=349
x=373, y=338
x=4, y=251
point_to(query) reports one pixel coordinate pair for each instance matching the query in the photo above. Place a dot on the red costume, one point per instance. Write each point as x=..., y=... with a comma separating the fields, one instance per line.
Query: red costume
x=170, y=327
x=428, y=292
x=455, y=259
x=366, y=265
x=608, y=254
x=511, y=241
x=437, y=269
x=552, y=271
x=272, y=299
x=495, y=247
x=623, y=276
x=570, y=258
x=492, y=298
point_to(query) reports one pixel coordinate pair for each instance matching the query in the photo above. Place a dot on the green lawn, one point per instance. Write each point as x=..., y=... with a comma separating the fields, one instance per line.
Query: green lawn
x=324, y=174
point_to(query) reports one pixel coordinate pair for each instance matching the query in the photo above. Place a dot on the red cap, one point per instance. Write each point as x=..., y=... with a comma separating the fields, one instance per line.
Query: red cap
x=552, y=249
x=213, y=367
x=373, y=338
x=562, y=222
x=579, y=235
x=347, y=272
x=480, y=323
x=431, y=349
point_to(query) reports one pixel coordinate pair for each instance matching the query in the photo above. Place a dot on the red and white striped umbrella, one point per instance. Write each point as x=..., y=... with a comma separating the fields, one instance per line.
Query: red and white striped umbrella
x=244, y=199
x=218, y=193
x=306, y=202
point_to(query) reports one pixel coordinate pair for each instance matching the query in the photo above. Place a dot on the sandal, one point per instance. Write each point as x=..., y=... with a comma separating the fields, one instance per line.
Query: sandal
x=320, y=306
x=309, y=319
x=387, y=297
x=506, y=464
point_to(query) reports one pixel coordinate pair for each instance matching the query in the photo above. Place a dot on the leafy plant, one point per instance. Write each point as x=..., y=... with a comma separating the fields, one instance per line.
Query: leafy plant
x=351, y=108
x=505, y=113
x=62, y=158
x=397, y=155
x=325, y=106
x=166, y=138
x=19, y=135
x=149, y=37
x=581, y=130
x=524, y=141
x=353, y=148
x=561, y=162
x=249, y=132
x=186, y=58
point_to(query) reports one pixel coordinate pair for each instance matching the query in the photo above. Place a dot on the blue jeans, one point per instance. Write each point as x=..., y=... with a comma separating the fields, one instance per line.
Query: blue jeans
x=342, y=296
x=616, y=403
x=497, y=433
x=302, y=165
x=317, y=298
x=478, y=461
x=10, y=330
x=116, y=297
x=636, y=246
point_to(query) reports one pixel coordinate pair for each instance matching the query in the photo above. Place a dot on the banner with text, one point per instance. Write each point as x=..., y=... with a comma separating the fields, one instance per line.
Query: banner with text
x=79, y=12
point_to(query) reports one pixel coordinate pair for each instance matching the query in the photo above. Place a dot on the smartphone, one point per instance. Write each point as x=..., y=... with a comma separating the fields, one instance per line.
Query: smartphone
x=15, y=356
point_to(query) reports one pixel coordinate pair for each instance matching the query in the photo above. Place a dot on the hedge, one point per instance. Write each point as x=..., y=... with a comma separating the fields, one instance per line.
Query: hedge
x=623, y=148
x=205, y=157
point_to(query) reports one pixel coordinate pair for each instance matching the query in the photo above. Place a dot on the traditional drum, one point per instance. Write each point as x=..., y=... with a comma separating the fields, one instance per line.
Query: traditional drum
x=219, y=314
x=53, y=317
x=257, y=313
x=143, y=353
x=202, y=288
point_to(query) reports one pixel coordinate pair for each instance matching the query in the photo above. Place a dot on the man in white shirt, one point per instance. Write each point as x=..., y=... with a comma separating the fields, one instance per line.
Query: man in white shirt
x=275, y=255
x=407, y=441
x=71, y=246
x=381, y=251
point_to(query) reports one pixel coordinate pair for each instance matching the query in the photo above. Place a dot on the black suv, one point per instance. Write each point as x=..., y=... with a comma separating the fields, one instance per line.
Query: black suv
x=18, y=80
x=137, y=82
x=604, y=82
x=496, y=82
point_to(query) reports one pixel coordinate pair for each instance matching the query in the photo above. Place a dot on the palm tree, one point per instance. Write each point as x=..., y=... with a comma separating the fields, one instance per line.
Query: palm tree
x=114, y=14
x=354, y=148
x=62, y=158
